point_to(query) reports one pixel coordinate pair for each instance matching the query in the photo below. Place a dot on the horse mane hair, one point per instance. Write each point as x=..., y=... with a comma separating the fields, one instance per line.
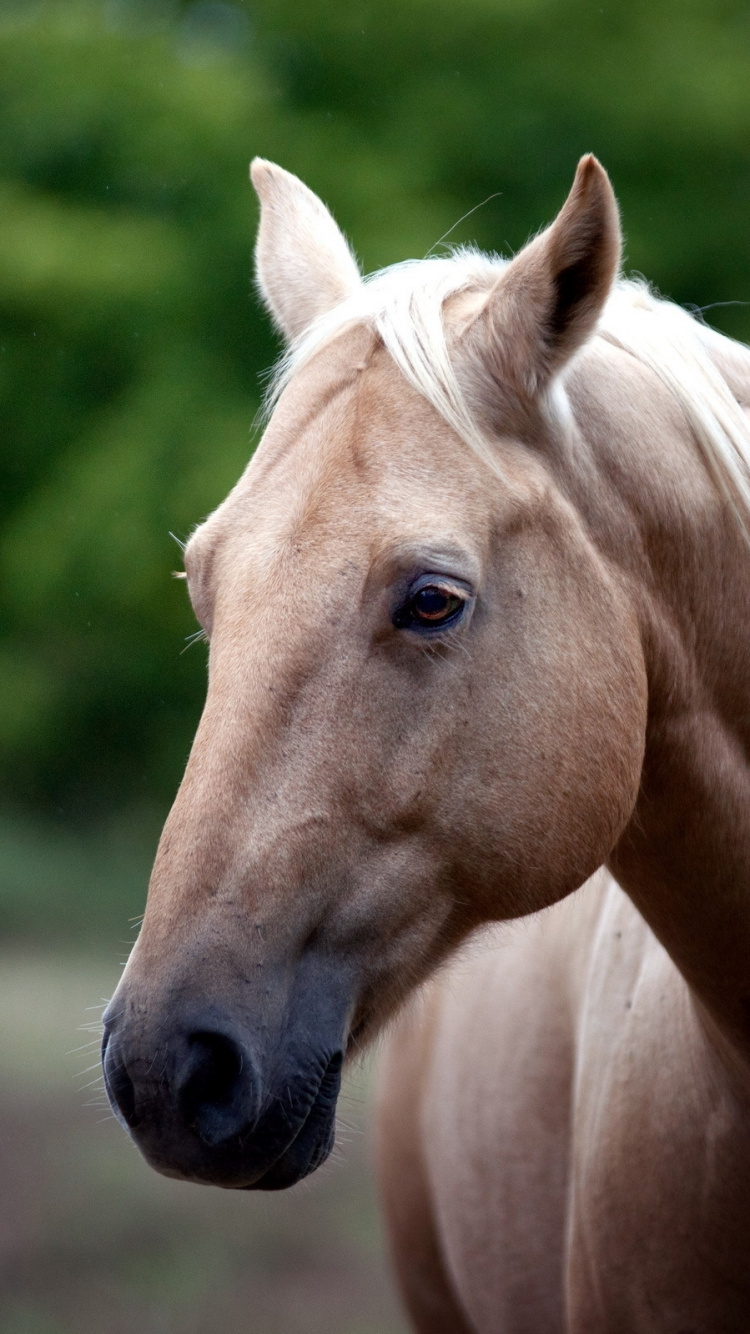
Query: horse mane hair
x=403, y=305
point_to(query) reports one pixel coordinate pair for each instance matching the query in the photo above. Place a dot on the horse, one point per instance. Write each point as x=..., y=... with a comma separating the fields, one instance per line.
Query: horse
x=477, y=615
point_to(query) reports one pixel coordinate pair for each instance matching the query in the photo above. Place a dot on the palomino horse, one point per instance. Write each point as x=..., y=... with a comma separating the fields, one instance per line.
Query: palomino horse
x=478, y=621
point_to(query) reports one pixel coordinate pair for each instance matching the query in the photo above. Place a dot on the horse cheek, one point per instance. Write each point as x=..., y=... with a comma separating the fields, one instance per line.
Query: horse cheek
x=555, y=776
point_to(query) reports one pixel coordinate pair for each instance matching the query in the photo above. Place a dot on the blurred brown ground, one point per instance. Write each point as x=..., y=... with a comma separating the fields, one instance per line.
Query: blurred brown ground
x=93, y=1242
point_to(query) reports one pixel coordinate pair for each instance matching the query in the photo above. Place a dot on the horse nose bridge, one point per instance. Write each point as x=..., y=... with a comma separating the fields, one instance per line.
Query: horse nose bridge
x=237, y=780
x=262, y=756
x=229, y=750
x=258, y=844
x=197, y=851
x=269, y=695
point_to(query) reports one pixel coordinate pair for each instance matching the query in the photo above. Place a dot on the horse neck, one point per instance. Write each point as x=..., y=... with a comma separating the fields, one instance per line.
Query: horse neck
x=656, y=515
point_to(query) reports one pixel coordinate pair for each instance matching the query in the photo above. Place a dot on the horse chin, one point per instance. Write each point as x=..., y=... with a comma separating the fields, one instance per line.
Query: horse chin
x=312, y=1144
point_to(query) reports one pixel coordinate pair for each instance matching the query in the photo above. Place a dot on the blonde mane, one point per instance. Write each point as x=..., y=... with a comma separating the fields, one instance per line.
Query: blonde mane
x=404, y=304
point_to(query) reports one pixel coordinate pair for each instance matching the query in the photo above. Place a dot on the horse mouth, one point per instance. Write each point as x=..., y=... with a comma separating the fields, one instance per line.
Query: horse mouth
x=314, y=1139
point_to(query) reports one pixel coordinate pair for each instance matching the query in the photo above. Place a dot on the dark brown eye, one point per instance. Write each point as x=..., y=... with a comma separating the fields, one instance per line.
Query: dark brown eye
x=434, y=604
x=430, y=607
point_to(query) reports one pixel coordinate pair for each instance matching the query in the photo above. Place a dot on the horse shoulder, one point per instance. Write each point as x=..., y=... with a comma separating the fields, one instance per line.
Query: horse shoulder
x=659, y=1226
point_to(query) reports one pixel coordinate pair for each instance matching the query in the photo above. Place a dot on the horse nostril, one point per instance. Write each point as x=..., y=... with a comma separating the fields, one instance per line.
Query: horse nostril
x=214, y=1065
x=214, y=1087
x=118, y=1084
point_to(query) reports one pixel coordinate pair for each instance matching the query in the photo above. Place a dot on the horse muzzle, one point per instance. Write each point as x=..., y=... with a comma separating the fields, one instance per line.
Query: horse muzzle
x=205, y=1102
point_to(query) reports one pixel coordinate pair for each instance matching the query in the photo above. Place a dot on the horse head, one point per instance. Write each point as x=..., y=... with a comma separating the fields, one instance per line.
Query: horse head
x=426, y=700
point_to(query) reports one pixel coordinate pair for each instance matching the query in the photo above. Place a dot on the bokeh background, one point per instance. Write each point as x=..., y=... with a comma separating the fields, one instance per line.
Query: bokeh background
x=131, y=356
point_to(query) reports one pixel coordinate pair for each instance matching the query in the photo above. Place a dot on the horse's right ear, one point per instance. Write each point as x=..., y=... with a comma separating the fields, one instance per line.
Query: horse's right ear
x=547, y=301
x=304, y=266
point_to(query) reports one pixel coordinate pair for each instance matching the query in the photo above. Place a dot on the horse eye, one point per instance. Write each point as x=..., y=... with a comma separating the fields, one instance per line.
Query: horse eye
x=433, y=605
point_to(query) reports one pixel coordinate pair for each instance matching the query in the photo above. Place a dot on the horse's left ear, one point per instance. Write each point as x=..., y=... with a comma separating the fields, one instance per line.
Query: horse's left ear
x=303, y=263
x=548, y=300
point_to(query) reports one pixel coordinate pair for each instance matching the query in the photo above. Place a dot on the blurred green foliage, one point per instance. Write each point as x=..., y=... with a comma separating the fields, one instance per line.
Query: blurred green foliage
x=130, y=342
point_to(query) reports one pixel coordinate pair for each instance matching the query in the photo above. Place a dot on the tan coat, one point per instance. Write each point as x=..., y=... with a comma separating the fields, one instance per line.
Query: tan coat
x=478, y=619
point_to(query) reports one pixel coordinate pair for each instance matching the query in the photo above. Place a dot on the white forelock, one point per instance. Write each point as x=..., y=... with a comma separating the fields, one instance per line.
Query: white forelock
x=404, y=306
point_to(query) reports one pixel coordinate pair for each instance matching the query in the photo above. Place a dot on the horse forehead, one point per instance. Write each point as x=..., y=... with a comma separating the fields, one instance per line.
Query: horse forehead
x=301, y=460
x=350, y=411
x=351, y=450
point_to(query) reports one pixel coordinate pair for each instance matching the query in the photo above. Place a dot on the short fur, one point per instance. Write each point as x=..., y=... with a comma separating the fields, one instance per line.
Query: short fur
x=565, y=1116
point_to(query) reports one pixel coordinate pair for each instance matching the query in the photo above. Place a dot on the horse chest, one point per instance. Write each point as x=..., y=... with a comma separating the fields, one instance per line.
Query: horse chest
x=587, y=1155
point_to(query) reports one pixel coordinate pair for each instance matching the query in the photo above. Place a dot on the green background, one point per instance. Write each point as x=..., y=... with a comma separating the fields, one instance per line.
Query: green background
x=131, y=354
x=131, y=343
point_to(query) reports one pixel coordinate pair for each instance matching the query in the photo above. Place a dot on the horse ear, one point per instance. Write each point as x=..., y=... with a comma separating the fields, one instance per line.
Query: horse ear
x=548, y=300
x=304, y=266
